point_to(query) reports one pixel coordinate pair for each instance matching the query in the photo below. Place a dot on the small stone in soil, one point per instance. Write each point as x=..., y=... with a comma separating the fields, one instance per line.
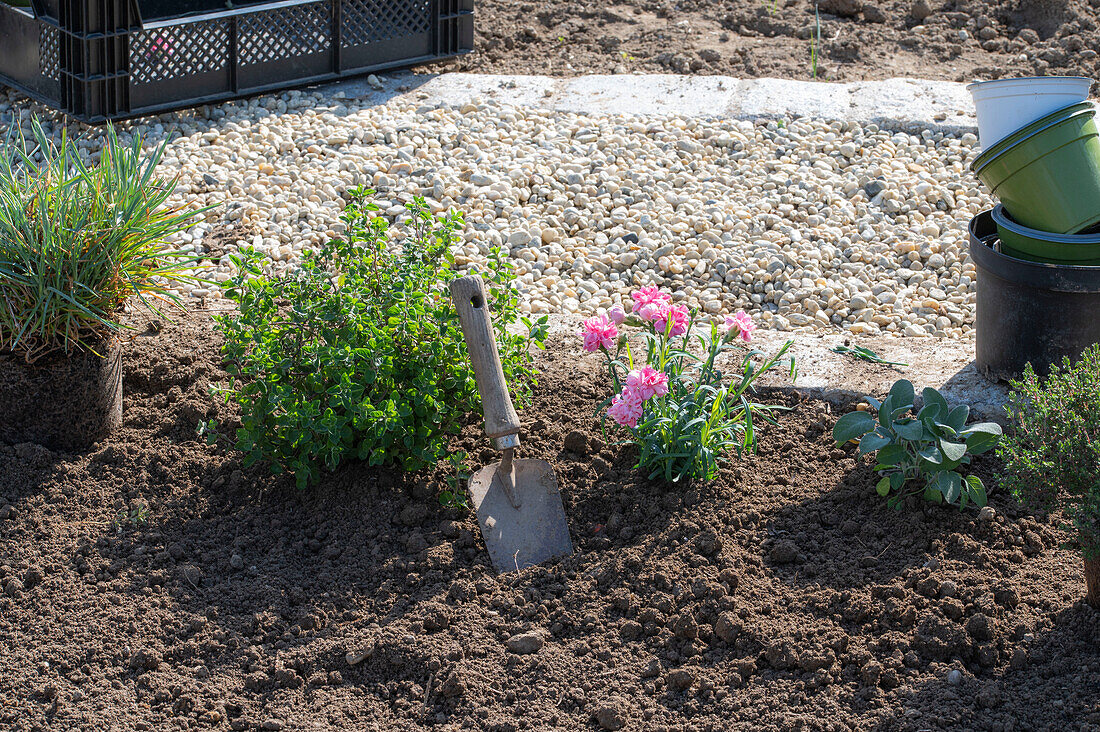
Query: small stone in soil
x=524, y=643
x=954, y=677
x=728, y=627
x=145, y=659
x=413, y=514
x=873, y=14
x=354, y=658
x=32, y=577
x=236, y=561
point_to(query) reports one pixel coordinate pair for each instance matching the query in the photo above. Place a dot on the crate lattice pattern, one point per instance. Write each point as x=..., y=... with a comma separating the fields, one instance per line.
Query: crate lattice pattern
x=370, y=21
x=182, y=50
x=284, y=33
x=49, y=51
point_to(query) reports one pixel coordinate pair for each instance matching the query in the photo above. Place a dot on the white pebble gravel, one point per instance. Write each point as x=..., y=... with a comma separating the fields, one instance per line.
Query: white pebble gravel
x=805, y=224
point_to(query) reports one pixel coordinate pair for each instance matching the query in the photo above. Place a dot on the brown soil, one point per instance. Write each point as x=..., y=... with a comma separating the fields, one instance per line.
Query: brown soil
x=784, y=596
x=958, y=40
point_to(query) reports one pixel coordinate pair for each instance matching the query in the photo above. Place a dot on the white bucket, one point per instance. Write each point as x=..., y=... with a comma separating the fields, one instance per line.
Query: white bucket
x=1006, y=105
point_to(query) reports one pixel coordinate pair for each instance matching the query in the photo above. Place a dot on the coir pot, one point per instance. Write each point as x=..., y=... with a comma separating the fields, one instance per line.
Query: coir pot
x=1029, y=311
x=66, y=403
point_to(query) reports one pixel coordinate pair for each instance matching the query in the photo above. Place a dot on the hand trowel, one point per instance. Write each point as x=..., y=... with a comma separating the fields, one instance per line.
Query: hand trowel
x=517, y=501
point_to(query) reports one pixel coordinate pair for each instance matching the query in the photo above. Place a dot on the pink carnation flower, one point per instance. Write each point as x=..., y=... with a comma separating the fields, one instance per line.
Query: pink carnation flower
x=679, y=316
x=647, y=382
x=626, y=408
x=743, y=323
x=597, y=332
x=617, y=314
x=650, y=311
x=649, y=296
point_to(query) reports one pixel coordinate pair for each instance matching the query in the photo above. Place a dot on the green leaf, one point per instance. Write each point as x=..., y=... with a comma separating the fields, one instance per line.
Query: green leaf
x=931, y=396
x=949, y=484
x=929, y=413
x=909, y=429
x=872, y=441
x=956, y=418
x=886, y=411
x=902, y=392
x=852, y=426
x=891, y=454
x=981, y=437
x=931, y=454
x=976, y=489
x=883, y=487
x=952, y=450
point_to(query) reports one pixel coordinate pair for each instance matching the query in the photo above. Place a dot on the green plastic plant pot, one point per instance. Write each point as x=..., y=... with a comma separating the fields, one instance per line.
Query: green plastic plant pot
x=1040, y=246
x=1049, y=178
x=1042, y=123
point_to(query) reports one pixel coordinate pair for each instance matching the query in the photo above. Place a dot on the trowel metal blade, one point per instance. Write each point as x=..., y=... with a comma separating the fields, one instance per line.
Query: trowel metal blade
x=533, y=533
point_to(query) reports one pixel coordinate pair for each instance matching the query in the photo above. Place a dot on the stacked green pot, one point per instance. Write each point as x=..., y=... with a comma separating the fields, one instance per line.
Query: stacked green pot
x=1047, y=176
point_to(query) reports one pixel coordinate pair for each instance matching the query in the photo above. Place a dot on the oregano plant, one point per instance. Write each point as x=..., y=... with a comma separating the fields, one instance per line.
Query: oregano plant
x=1052, y=456
x=358, y=351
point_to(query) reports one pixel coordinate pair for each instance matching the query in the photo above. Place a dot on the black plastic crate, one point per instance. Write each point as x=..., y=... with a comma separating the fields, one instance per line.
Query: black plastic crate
x=101, y=59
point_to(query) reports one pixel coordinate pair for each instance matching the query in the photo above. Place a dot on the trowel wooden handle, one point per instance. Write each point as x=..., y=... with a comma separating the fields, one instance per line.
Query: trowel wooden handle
x=472, y=305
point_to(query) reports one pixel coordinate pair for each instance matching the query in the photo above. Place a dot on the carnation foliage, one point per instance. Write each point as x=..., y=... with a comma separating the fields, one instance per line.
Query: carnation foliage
x=681, y=410
x=1052, y=457
x=359, y=353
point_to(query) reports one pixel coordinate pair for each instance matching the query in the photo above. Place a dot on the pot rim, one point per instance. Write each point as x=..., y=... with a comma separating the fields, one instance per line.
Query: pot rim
x=1002, y=217
x=1068, y=278
x=1020, y=80
x=1041, y=125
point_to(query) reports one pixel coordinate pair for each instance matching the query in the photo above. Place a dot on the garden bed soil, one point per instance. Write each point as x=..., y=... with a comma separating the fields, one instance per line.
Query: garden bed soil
x=784, y=596
x=956, y=40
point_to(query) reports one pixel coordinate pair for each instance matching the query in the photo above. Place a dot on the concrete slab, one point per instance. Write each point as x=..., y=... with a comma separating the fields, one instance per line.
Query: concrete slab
x=895, y=103
x=947, y=365
x=784, y=98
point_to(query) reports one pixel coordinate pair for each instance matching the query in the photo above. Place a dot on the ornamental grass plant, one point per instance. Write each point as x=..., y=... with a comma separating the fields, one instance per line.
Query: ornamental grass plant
x=79, y=238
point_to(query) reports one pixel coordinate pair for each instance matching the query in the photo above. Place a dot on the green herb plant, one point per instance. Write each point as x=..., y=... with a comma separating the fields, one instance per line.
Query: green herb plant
x=78, y=239
x=358, y=353
x=920, y=454
x=134, y=517
x=1051, y=459
x=455, y=494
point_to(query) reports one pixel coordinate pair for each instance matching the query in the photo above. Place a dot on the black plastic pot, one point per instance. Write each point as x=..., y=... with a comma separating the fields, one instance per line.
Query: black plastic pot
x=1029, y=311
